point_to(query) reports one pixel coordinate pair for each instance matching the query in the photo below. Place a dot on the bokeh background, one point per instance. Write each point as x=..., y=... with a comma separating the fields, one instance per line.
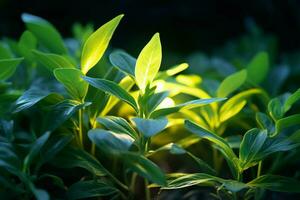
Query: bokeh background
x=210, y=35
x=185, y=26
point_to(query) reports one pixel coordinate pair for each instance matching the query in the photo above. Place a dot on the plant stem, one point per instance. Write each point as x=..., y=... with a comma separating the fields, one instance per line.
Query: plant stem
x=80, y=120
x=147, y=191
x=259, y=168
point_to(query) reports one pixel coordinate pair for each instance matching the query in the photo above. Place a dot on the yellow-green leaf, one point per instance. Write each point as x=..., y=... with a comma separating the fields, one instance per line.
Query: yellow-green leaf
x=97, y=43
x=148, y=62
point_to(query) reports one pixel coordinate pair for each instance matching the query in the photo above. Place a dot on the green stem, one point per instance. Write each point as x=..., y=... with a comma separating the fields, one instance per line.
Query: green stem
x=259, y=168
x=147, y=191
x=80, y=120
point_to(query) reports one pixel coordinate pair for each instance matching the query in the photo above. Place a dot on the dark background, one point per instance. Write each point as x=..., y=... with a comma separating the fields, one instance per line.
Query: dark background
x=185, y=25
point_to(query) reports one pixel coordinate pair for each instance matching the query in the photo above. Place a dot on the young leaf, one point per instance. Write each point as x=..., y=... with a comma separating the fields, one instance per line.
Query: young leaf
x=113, y=89
x=251, y=146
x=52, y=61
x=96, y=44
x=123, y=61
x=276, y=183
x=258, y=68
x=236, y=103
x=148, y=62
x=108, y=140
x=150, y=127
x=8, y=67
x=187, y=105
x=45, y=32
x=232, y=83
x=118, y=125
x=145, y=168
x=89, y=189
x=71, y=79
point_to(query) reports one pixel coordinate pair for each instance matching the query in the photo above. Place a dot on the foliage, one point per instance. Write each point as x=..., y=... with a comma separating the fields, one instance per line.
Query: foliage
x=85, y=121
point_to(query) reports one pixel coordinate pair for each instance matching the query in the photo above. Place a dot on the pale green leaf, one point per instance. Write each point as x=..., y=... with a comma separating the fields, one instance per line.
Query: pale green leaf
x=148, y=62
x=97, y=43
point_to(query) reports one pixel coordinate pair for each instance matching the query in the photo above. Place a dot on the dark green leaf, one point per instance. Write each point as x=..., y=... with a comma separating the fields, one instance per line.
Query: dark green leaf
x=107, y=140
x=45, y=33
x=74, y=157
x=150, y=127
x=71, y=79
x=251, y=146
x=90, y=188
x=123, y=61
x=276, y=183
x=52, y=61
x=220, y=142
x=113, y=89
x=145, y=168
x=118, y=125
x=35, y=149
x=8, y=67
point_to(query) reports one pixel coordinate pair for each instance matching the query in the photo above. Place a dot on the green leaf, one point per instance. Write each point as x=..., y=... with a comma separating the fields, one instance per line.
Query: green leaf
x=61, y=112
x=145, y=168
x=26, y=43
x=286, y=122
x=265, y=122
x=108, y=140
x=188, y=180
x=232, y=83
x=187, y=105
x=251, y=145
x=52, y=61
x=155, y=100
x=276, y=106
x=220, y=142
x=8, y=67
x=148, y=63
x=150, y=127
x=206, y=168
x=5, y=52
x=117, y=125
x=276, y=183
x=32, y=97
x=74, y=157
x=258, y=68
x=123, y=61
x=113, y=89
x=71, y=79
x=90, y=188
x=126, y=83
x=293, y=98
x=54, y=146
x=45, y=32
x=35, y=149
x=236, y=103
x=96, y=44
